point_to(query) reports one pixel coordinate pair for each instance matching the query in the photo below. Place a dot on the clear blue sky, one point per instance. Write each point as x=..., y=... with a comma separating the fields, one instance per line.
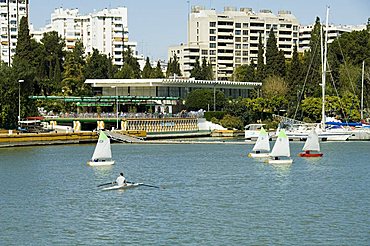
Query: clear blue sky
x=157, y=24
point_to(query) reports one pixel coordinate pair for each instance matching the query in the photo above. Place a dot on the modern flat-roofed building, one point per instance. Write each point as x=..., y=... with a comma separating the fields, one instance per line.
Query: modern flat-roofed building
x=105, y=30
x=230, y=39
x=11, y=12
x=165, y=91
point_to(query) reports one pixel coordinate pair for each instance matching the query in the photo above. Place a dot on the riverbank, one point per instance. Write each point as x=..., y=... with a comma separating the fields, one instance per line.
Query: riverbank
x=15, y=139
x=29, y=139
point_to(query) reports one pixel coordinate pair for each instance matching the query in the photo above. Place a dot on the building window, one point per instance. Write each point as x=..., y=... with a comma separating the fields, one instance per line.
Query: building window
x=212, y=24
x=238, y=39
x=212, y=31
x=245, y=32
x=204, y=52
x=238, y=25
x=212, y=53
x=212, y=45
x=245, y=25
x=212, y=38
x=238, y=32
x=238, y=46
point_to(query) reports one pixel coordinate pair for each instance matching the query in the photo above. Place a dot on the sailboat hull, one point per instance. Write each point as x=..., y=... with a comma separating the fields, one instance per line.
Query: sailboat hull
x=100, y=163
x=284, y=161
x=310, y=155
x=258, y=155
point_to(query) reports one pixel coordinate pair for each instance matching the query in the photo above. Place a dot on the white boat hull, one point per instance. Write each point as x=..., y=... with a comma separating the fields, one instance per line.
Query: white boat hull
x=283, y=161
x=259, y=155
x=324, y=136
x=100, y=163
x=122, y=187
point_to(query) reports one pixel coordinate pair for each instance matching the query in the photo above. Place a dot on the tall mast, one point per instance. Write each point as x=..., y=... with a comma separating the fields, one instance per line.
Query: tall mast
x=324, y=68
x=362, y=90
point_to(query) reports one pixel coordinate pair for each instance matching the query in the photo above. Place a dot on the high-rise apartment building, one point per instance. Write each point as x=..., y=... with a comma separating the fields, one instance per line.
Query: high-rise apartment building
x=106, y=31
x=11, y=12
x=230, y=39
x=334, y=31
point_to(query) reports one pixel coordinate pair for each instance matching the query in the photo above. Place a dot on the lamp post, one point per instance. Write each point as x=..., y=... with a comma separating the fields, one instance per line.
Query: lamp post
x=19, y=99
x=115, y=87
x=64, y=101
x=214, y=97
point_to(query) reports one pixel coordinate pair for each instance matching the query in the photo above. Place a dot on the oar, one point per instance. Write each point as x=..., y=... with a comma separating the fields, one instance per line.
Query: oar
x=106, y=184
x=153, y=186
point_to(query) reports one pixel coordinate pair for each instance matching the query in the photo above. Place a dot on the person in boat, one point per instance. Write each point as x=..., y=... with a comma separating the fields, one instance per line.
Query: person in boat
x=276, y=158
x=307, y=152
x=121, y=180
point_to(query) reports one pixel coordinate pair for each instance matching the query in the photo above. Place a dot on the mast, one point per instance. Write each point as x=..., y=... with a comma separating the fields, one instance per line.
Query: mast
x=325, y=52
x=362, y=90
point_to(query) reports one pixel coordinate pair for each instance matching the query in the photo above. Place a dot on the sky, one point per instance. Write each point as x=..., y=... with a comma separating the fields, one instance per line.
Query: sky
x=157, y=24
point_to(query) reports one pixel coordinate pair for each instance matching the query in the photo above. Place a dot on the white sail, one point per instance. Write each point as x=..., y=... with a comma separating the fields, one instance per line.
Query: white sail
x=312, y=142
x=262, y=143
x=281, y=147
x=102, y=149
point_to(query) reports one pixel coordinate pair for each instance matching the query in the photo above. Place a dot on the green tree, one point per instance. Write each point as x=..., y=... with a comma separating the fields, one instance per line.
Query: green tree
x=204, y=98
x=23, y=70
x=73, y=77
x=157, y=71
x=312, y=63
x=274, y=86
x=261, y=74
x=207, y=71
x=196, y=71
x=97, y=66
x=244, y=73
x=53, y=58
x=126, y=72
x=232, y=122
x=272, y=55
x=147, y=70
x=133, y=63
x=173, y=67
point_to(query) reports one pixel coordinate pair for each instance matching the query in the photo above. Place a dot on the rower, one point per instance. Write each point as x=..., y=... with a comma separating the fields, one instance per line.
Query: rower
x=121, y=181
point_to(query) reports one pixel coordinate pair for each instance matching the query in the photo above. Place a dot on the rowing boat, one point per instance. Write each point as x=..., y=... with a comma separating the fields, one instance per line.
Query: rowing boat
x=122, y=187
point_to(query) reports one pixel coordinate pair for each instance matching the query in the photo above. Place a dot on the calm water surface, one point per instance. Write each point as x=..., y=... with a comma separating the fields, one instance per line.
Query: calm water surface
x=212, y=194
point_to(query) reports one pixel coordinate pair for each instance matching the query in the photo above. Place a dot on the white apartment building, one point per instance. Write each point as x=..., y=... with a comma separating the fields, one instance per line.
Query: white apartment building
x=11, y=12
x=334, y=32
x=230, y=39
x=105, y=30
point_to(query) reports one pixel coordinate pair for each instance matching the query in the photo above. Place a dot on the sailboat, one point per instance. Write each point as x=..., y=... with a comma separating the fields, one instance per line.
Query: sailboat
x=262, y=147
x=311, y=144
x=103, y=154
x=280, y=153
x=324, y=134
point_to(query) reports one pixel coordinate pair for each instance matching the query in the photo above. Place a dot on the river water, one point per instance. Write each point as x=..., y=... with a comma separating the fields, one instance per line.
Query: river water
x=211, y=194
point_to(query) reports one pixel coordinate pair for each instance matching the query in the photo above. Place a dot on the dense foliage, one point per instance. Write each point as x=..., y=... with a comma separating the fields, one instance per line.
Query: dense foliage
x=291, y=87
